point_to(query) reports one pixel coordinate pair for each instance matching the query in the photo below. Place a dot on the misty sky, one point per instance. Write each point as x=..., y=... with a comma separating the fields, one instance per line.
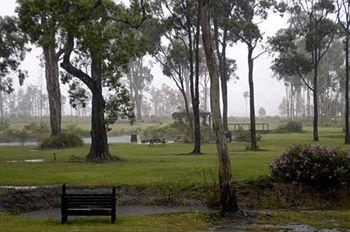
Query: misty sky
x=268, y=91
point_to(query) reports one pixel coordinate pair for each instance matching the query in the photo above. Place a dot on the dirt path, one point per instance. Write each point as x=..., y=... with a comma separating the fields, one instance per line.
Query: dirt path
x=128, y=210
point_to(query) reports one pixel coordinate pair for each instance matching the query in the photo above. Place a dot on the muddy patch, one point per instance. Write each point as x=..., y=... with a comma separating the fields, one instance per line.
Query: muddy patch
x=32, y=198
x=125, y=210
x=275, y=195
x=267, y=227
x=19, y=199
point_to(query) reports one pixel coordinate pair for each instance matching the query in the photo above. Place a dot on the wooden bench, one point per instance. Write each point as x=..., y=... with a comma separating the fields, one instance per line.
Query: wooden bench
x=263, y=128
x=87, y=204
x=133, y=138
x=157, y=140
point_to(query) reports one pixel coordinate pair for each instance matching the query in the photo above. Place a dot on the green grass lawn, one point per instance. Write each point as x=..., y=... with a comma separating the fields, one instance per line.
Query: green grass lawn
x=169, y=166
x=149, y=166
x=171, y=222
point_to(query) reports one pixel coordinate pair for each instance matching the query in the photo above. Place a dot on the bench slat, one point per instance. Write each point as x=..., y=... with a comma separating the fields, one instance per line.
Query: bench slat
x=95, y=212
x=89, y=198
x=88, y=204
x=89, y=207
x=77, y=201
x=88, y=195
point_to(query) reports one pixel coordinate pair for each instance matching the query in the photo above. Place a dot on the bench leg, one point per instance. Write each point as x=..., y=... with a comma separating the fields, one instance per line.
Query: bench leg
x=113, y=217
x=64, y=219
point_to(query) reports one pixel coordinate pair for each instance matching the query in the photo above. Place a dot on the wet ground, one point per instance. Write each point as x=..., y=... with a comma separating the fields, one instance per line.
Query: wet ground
x=43, y=202
x=125, y=210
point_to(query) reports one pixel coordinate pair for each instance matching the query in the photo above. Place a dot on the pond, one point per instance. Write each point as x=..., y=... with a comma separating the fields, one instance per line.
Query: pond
x=111, y=139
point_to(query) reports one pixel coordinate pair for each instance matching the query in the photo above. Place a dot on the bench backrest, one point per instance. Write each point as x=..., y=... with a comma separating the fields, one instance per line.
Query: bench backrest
x=133, y=138
x=88, y=200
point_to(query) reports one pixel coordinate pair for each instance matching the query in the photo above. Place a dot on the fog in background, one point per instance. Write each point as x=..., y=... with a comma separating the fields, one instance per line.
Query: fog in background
x=268, y=91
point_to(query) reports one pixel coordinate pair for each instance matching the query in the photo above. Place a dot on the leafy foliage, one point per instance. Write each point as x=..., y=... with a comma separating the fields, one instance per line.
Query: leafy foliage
x=63, y=140
x=107, y=39
x=12, y=52
x=290, y=127
x=244, y=135
x=312, y=164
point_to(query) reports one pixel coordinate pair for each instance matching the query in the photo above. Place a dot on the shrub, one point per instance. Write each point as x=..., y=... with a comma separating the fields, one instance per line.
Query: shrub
x=4, y=125
x=312, y=164
x=75, y=129
x=290, y=127
x=244, y=135
x=62, y=140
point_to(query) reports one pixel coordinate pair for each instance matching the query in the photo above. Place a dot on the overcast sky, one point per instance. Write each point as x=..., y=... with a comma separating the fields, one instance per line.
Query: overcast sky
x=268, y=91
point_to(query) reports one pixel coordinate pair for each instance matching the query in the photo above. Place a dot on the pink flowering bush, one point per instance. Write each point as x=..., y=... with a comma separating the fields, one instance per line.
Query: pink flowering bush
x=312, y=164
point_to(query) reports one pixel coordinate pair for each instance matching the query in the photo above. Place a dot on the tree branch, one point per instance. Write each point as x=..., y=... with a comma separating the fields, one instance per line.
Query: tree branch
x=67, y=65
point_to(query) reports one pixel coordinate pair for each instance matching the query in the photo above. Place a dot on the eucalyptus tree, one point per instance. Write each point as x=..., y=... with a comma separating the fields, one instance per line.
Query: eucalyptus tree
x=12, y=52
x=139, y=77
x=205, y=88
x=291, y=65
x=309, y=23
x=175, y=65
x=228, y=197
x=181, y=24
x=245, y=28
x=109, y=36
x=223, y=13
x=39, y=20
x=332, y=84
x=343, y=16
x=171, y=101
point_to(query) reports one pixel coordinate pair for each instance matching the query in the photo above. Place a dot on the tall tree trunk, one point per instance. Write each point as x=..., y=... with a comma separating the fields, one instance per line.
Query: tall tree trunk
x=315, y=96
x=347, y=106
x=222, y=69
x=195, y=90
x=287, y=102
x=224, y=79
x=53, y=89
x=187, y=108
x=253, y=140
x=308, y=103
x=291, y=101
x=99, y=149
x=205, y=95
x=138, y=103
x=224, y=103
x=228, y=198
x=99, y=144
x=1, y=102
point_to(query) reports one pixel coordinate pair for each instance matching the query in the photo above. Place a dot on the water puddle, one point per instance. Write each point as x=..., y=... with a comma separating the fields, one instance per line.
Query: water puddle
x=24, y=161
x=18, y=187
x=25, y=187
